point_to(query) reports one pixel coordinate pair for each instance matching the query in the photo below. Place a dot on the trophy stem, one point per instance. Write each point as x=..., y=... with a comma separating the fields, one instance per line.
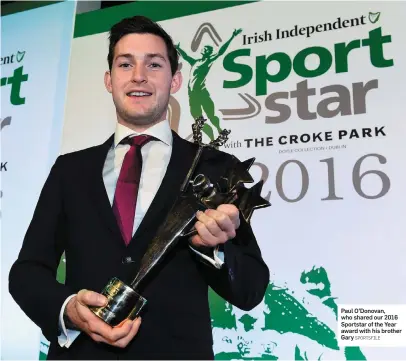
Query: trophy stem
x=192, y=169
x=180, y=218
x=140, y=276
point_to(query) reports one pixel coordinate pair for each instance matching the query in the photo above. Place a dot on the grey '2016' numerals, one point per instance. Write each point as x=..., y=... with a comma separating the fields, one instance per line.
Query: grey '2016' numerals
x=357, y=178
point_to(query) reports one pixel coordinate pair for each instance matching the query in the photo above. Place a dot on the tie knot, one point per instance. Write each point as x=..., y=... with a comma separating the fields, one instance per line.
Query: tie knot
x=138, y=140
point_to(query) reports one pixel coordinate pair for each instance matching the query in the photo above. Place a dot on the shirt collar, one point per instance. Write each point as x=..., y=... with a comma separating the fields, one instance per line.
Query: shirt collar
x=161, y=131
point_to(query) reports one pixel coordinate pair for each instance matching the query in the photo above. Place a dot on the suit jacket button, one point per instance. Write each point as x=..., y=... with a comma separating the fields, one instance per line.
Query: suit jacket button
x=127, y=260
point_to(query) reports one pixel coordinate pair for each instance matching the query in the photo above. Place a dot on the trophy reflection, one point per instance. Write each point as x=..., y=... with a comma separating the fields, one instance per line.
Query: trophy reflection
x=124, y=300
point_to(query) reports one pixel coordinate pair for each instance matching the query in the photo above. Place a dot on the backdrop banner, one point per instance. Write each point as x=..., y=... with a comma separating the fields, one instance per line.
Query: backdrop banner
x=35, y=55
x=317, y=100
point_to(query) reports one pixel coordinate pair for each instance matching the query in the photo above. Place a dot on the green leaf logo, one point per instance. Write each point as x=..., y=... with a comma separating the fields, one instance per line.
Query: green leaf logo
x=20, y=56
x=374, y=17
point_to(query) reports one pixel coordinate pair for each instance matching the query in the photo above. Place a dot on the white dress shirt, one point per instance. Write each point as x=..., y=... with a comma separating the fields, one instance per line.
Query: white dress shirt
x=155, y=158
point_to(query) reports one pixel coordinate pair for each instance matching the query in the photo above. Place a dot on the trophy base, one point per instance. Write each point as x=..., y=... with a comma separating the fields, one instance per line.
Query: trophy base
x=122, y=303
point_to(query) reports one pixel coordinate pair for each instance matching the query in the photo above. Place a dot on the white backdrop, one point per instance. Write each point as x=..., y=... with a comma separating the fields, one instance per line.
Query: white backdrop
x=30, y=141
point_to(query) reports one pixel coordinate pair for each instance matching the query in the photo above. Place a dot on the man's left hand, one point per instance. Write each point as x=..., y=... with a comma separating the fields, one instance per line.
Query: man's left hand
x=216, y=226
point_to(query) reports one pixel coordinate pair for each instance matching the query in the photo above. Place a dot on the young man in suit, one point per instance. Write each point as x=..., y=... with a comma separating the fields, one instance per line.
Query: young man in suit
x=89, y=209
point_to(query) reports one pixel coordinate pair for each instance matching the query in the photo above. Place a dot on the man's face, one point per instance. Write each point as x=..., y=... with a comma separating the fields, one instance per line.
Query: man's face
x=141, y=80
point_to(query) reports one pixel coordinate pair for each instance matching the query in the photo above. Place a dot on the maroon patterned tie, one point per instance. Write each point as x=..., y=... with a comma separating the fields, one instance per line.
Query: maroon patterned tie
x=125, y=197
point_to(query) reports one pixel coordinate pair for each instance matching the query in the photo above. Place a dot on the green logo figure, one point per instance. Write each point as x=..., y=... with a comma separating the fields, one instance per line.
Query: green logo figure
x=199, y=96
x=278, y=325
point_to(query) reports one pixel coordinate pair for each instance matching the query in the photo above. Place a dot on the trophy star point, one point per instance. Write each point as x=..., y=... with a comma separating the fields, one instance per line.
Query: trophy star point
x=250, y=199
x=238, y=175
x=248, y=163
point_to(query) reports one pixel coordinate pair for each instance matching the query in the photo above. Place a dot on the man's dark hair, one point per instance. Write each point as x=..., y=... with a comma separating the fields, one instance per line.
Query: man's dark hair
x=141, y=25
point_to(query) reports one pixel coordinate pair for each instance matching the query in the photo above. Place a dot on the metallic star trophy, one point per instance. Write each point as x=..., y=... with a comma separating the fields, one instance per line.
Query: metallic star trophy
x=124, y=301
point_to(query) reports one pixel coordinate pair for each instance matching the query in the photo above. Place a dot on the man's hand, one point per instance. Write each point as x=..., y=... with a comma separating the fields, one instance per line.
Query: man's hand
x=215, y=227
x=85, y=320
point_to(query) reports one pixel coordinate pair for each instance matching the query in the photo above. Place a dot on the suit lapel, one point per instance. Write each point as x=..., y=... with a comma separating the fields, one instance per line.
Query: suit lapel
x=97, y=189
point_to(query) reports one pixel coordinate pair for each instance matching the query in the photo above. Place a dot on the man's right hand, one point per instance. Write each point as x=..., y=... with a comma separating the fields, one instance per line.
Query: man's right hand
x=79, y=314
